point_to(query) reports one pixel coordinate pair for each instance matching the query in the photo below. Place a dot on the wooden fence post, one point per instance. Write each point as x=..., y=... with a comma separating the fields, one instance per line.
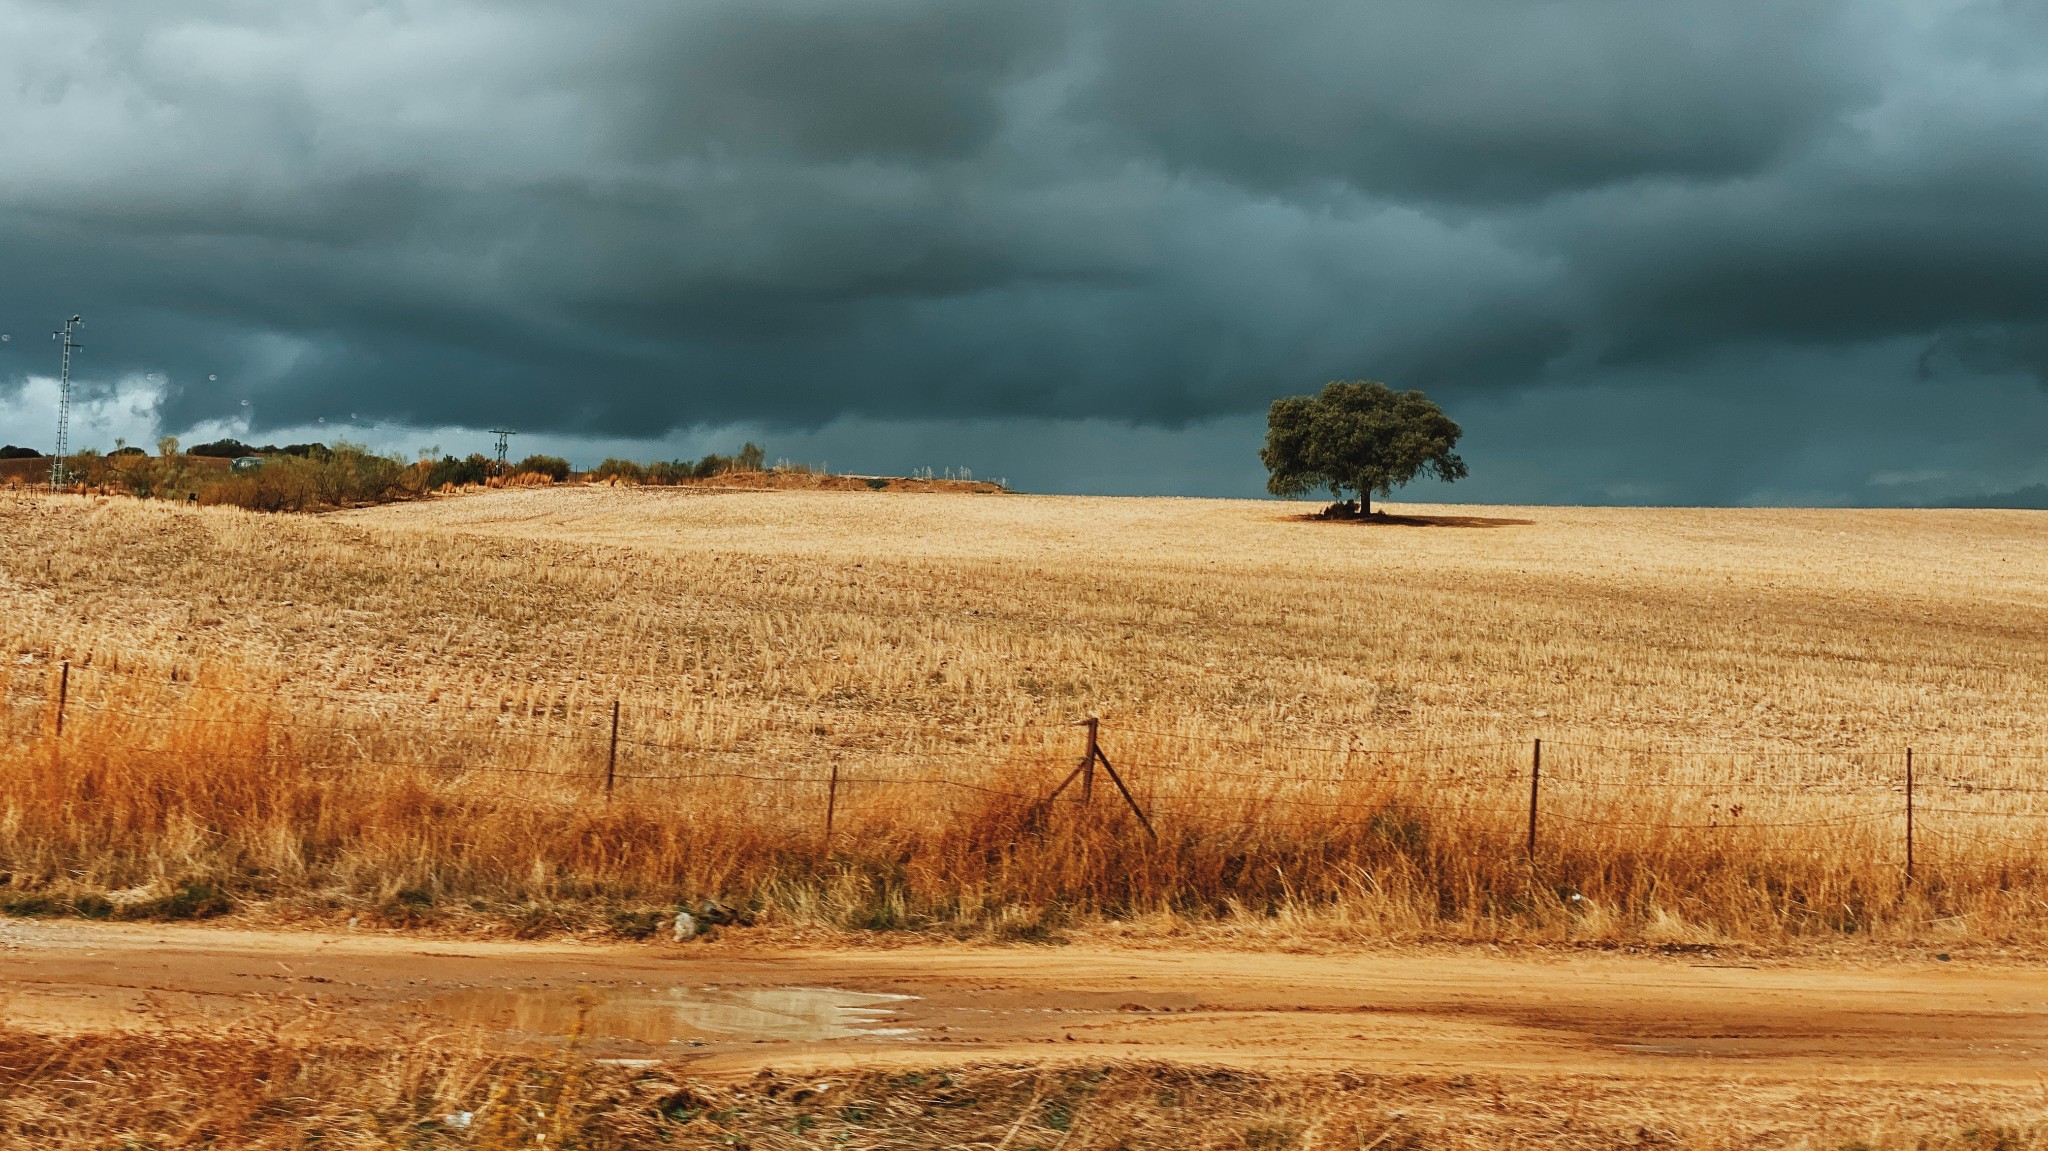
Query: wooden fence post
x=1084, y=770
x=831, y=803
x=1909, y=816
x=63, y=690
x=1088, y=759
x=1535, y=781
x=611, y=761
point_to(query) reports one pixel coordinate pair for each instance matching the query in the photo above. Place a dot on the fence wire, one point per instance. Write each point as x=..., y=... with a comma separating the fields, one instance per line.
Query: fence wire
x=1181, y=777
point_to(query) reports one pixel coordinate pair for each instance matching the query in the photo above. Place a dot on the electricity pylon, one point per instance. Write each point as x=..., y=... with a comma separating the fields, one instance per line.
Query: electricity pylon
x=504, y=435
x=58, y=476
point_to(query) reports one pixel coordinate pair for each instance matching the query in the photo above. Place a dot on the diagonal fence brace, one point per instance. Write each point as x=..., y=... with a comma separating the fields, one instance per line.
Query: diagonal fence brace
x=1085, y=772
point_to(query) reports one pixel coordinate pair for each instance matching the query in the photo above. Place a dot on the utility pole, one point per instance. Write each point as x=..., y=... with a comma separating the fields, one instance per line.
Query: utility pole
x=504, y=435
x=58, y=476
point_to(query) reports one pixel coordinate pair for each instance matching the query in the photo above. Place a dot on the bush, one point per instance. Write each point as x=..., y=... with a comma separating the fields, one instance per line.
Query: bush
x=618, y=469
x=279, y=487
x=474, y=469
x=343, y=475
x=554, y=467
x=751, y=458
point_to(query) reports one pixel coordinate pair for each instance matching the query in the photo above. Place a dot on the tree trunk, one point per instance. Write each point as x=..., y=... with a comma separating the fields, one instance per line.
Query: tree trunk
x=1364, y=499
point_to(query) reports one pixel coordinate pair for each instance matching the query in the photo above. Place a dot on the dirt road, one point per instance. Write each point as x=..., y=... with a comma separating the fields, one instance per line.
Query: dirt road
x=729, y=1007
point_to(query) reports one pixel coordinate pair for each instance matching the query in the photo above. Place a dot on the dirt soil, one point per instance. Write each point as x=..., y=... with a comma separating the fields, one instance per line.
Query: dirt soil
x=726, y=1007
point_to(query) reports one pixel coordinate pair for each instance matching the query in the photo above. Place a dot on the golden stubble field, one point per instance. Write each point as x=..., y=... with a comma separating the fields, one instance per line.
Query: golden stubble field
x=1720, y=629
x=409, y=708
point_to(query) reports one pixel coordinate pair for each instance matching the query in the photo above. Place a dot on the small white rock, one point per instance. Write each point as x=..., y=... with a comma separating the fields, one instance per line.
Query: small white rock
x=686, y=926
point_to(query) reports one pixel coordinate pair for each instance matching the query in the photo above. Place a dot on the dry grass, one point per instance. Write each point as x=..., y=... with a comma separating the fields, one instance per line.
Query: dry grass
x=406, y=708
x=255, y=1090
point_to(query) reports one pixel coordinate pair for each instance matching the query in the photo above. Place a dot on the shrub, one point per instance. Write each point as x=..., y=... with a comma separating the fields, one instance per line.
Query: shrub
x=617, y=469
x=554, y=467
x=668, y=471
x=474, y=469
x=343, y=475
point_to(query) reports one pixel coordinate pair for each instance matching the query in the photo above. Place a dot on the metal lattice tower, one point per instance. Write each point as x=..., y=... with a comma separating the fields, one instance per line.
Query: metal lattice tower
x=504, y=435
x=58, y=476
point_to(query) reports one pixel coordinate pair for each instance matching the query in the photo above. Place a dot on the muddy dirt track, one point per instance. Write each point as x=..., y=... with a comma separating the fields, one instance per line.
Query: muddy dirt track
x=726, y=1007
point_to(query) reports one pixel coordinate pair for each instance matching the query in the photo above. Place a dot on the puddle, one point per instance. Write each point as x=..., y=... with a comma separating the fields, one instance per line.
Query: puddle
x=673, y=1014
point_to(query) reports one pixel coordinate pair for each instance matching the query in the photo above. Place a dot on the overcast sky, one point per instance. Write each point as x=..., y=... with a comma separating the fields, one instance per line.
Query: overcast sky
x=1739, y=251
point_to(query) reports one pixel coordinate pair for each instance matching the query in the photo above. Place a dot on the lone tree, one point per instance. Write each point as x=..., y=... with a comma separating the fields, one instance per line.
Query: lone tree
x=1361, y=437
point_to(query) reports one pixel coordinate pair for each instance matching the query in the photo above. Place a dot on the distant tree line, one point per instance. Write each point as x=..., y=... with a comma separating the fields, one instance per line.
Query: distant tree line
x=232, y=449
x=750, y=458
x=302, y=477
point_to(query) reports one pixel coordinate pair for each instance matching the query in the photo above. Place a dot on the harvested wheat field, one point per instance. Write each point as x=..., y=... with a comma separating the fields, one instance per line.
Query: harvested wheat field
x=568, y=708
x=462, y=760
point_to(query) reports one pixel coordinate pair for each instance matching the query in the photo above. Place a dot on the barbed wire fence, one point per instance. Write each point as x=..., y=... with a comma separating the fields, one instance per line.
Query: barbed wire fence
x=1174, y=781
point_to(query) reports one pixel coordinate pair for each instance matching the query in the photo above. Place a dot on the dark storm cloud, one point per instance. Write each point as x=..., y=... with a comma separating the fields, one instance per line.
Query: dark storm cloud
x=879, y=81
x=617, y=220
x=1485, y=102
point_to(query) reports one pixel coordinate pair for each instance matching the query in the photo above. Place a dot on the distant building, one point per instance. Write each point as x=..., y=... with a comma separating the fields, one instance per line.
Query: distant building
x=246, y=463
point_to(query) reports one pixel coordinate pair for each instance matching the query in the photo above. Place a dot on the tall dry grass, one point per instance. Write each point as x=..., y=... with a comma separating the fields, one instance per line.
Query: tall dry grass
x=162, y=798
x=407, y=710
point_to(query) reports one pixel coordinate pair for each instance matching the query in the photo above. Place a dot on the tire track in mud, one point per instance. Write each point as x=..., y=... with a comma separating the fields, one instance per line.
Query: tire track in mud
x=735, y=1007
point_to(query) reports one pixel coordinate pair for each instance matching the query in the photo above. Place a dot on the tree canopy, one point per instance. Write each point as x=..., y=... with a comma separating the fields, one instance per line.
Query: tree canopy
x=1358, y=436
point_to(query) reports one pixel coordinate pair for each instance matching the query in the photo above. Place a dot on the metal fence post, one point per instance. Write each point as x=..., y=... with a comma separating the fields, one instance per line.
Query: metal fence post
x=1535, y=781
